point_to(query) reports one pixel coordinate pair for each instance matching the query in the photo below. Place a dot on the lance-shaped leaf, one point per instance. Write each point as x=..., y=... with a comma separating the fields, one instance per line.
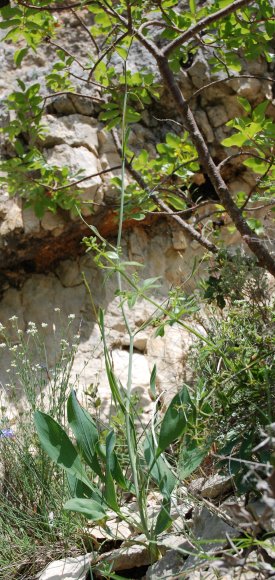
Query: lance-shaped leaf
x=88, y=507
x=116, y=470
x=153, y=377
x=190, y=460
x=158, y=469
x=58, y=446
x=110, y=490
x=85, y=432
x=118, y=475
x=164, y=519
x=175, y=419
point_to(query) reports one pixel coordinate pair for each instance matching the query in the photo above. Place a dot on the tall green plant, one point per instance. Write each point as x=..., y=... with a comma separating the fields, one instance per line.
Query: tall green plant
x=96, y=488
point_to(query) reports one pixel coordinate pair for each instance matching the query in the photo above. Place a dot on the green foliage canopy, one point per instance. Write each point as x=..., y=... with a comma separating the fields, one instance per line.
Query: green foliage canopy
x=229, y=33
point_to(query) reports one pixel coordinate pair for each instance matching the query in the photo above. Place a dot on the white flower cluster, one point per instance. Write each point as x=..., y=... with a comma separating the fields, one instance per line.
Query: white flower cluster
x=32, y=329
x=14, y=348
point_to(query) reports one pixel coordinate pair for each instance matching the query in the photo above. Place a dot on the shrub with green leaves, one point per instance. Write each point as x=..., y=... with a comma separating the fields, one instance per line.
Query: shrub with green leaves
x=236, y=375
x=234, y=277
x=230, y=34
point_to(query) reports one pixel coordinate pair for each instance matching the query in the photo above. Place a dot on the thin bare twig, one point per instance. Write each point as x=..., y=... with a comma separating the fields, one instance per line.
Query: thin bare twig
x=86, y=28
x=183, y=211
x=62, y=187
x=245, y=461
x=221, y=211
x=158, y=24
x=169, y=121
x=240, y=154
x=111, y=33
x=86, y=80
x=219, y=59
x=48, y=40
x=74, y=95
x=208, y=215
x=229, y=78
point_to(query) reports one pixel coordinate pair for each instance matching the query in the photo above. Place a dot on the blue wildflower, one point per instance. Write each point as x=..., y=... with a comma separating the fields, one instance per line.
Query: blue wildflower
x=6, y=433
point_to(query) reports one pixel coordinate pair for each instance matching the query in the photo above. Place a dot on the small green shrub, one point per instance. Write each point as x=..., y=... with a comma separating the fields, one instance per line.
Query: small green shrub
x=236, y=375
x=236, y=277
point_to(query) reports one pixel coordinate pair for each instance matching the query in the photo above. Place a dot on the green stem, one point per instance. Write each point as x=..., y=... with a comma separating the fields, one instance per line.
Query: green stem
x=123, y=160
x=130, y=435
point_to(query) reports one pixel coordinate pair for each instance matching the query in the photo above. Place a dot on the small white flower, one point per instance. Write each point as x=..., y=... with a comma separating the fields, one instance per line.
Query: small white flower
x=32, y=331
x=64, y=342
x=3, y=345
x=14, y=348
x=44, y=324
x=1, y=327
x=19, y=331
x=8, y=371
x=54, y=328
x=71, y=316
x=13, y=318
x=14, y=365
x=57, y=309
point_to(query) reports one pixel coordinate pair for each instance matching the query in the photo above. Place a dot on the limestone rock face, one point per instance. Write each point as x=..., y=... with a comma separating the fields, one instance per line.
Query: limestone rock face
x=82, y=163
x=10, y=216
x=42, y=259
x=74, y=130
x=41, y=294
